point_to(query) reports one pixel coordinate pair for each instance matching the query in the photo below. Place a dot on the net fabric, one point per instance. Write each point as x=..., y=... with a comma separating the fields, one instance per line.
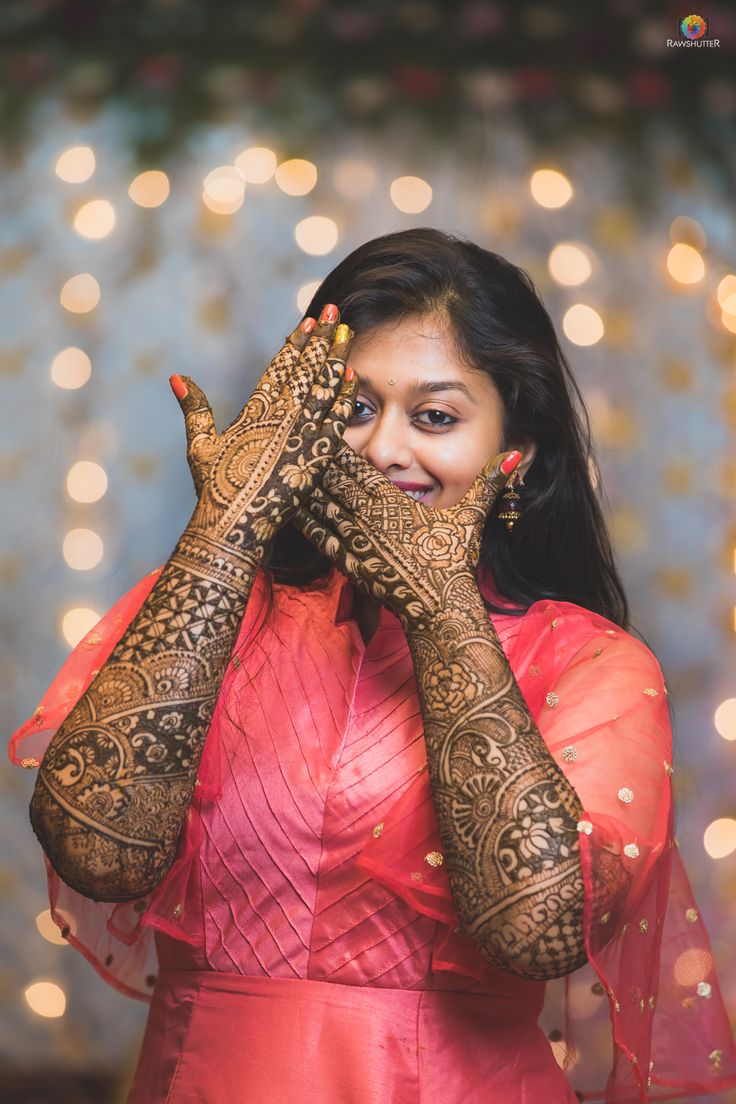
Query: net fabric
x=599, y=700
x=118, y=938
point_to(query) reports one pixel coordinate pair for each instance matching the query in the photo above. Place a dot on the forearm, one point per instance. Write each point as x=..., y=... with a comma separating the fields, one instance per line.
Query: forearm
x=117, y=778
x=507, y=815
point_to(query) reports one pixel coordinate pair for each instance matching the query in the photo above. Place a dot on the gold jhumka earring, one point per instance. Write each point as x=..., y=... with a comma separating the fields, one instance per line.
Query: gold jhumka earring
x=510, y=501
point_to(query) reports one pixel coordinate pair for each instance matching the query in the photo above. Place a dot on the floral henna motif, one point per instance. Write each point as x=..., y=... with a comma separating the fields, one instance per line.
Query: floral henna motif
x=117, y=778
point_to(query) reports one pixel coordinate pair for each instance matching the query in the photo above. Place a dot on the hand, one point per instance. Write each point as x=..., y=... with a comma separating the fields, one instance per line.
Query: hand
x=417, y=560
x=250, y=478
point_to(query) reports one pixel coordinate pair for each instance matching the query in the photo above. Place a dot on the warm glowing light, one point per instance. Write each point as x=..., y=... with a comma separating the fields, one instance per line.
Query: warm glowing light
x=726, y=288
x=71, y=368
x=719, y=838
x=411, y=194
x=582, y=325
x=76, y=623
x=305, y=294
x=80, y=294
x=76, y=165
x=45, y=999
x=256, y=165
x=49, y=930
x=692, y=966
x=354, y=179
x=150, y=188
x=296, y=177
x=725, y=719
x=569, y=264
x=729, y=321
x=95, y=219
x=316, y=235
x=685, y=264
x=86, y=481
x=223, y=190
x=550, y=188
x=83, y=549
x=728, y=306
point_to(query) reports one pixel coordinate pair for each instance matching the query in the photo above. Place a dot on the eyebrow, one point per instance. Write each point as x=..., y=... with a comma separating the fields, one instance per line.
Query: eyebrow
x=417, y=386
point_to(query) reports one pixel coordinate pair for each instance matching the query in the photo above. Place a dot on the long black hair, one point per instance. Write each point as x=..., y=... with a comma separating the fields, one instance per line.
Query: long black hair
x=560, y=547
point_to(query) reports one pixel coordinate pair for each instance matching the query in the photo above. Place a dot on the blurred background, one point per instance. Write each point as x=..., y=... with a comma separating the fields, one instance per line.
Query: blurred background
x=176, y=179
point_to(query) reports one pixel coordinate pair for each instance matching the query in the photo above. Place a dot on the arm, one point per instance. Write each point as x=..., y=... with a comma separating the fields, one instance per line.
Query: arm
x=507, y=815
x=117, y=777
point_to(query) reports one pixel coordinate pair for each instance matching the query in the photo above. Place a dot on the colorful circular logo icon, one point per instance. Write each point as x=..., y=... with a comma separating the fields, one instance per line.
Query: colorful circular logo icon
x=693, y=26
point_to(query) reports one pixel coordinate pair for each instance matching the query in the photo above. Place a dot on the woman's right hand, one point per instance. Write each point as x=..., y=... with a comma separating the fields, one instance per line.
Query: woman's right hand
x=252, y=477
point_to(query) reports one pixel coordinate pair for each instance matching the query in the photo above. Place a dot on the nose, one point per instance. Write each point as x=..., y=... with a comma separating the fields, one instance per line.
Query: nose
x=388, y=445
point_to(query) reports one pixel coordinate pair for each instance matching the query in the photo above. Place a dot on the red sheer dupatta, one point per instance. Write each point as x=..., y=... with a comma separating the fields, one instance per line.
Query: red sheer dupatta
x=599, y=700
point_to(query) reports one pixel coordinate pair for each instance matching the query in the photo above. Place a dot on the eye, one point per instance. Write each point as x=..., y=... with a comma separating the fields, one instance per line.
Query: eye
x=433, y=422
x=360, y=414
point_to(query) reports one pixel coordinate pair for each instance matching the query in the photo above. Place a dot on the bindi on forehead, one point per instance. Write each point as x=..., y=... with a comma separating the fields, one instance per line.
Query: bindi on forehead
x=421, y=387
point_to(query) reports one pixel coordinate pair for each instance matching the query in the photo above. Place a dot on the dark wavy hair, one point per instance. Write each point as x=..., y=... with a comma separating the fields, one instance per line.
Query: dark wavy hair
x=560, y=547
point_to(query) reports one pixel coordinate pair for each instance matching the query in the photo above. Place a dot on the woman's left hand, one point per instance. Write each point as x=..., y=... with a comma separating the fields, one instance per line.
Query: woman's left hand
x=414, y=559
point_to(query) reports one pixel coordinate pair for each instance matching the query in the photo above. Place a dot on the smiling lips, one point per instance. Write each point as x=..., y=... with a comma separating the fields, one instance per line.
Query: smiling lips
x=414, y=490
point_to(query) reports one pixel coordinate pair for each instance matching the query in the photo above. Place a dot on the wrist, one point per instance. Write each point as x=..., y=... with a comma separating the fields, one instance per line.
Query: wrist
x=210, y=554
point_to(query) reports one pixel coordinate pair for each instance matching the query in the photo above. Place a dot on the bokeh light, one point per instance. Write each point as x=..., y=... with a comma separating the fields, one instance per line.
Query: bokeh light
x=687, y=230
x=45, y=998
x=49, y=930
x=684, y=264
x=550, y=188
x=80, y=294
x=726, y=288
x=692, y=966
x=95, y=219
x=719, y=838
x=296, y=177
x=316, y=235
x=71, y=368
x=256, y=165
x=76, y=623
x=725, y=719
x=582, y=325
x=86, y=481
x=223, y=190
x=569, y=264
x=76, y=164
x=305, y=294
x=410, y=194
x=82, y=549
x=150, y=188
x=354, y=179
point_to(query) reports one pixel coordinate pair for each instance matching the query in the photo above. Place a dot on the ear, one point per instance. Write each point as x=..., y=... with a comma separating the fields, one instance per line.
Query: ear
x=528, y=450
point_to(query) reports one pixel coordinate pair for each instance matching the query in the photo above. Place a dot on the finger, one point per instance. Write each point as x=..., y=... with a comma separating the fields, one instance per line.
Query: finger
x=343, y=407
x=319, y=532
x=326, y=387
x=351, y=478
x=198, y=420
x=314, y=353
x=489, y=482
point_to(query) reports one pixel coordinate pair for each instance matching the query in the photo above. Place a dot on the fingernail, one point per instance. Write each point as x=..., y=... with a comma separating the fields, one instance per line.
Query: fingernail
x=329, y=313
x=510, y=463
x=342, y=333
x=349, y=374
x=178, y=386
x=307, y=325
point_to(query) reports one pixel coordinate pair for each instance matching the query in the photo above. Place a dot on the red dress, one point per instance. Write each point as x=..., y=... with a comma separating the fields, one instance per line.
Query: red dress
x=302, y=947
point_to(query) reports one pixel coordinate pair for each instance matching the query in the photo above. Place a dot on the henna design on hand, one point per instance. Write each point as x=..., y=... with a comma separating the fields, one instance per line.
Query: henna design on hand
x=117, y=777
x=507, y=815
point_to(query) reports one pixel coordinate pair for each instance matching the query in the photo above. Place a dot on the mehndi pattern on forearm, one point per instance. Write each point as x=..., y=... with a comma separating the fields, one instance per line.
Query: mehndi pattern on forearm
x=117, y=778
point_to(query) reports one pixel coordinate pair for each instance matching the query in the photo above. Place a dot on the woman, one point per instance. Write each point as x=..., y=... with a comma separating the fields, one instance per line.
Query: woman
x=437, y=766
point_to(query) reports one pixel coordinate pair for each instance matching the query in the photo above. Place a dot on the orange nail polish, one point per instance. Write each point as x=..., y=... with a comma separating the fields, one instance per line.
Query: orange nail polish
x=510, y=462
x=178, y=386
x=349, y=374
x=329, y=313
x=307, y=325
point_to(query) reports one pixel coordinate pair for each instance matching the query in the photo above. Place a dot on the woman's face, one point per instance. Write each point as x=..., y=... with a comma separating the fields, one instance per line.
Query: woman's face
x=432, y=430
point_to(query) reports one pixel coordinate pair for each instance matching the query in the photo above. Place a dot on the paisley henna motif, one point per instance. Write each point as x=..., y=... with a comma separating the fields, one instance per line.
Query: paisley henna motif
x=506, y=813
x=117, y=778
